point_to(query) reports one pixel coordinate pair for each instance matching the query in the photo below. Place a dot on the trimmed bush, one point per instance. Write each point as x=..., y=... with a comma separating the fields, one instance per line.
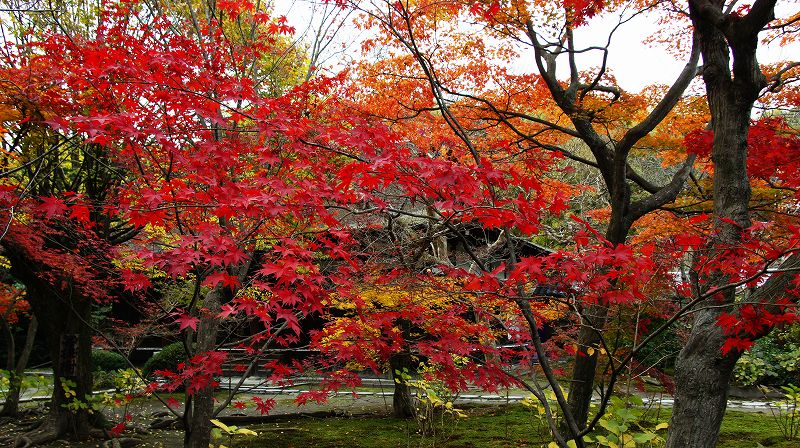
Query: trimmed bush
x=106, y=361
x=167, y=359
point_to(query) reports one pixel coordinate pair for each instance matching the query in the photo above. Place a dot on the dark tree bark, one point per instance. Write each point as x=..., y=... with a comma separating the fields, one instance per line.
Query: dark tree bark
x=200, y=406
x=702, y=376
x=64, y=321
x=402, y=401
x=733, y=82
x=64, y=325
x=402, y=366
x=69, y=341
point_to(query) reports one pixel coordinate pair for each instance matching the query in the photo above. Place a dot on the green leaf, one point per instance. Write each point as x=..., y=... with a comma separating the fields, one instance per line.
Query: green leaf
x=216, y=433
x=643, y=437
x=610, y=426
x=636, y=400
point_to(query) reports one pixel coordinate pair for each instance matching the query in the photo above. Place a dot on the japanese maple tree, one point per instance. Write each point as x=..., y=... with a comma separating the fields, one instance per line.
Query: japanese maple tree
x=458, y=104
x=448, y=73
x=230, y=190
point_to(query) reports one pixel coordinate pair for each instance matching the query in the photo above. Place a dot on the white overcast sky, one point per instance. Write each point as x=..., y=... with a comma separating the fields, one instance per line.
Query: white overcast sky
x=634, y=63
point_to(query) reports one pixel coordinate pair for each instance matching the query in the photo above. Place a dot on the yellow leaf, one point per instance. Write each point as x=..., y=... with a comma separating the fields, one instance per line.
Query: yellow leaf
x=220, y=425
x=627, y=441
x=590, y=351
x=661, y=426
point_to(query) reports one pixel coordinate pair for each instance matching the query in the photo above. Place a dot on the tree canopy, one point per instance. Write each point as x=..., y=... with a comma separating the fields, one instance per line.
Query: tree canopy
x=469, y=181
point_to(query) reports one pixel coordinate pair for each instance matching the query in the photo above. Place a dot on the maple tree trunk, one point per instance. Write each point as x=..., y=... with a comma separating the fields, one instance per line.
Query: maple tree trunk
x=402, y=366
x=581, y=387
x=702, y=372
x=402, y=401
x=16, y=367
x=702, y=375
x=69, y=339
x=200, y=409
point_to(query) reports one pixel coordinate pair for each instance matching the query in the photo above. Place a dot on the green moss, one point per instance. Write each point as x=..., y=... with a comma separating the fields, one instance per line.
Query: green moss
x=491, y=427
x=484, y=427
x=748, y=429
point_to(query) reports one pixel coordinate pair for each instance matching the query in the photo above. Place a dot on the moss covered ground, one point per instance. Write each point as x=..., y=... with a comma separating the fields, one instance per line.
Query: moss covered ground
x=496, y=426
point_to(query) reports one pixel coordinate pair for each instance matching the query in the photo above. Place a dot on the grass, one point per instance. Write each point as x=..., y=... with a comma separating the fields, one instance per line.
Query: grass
x=500, y=426
x=746, y=430
x=484, y=427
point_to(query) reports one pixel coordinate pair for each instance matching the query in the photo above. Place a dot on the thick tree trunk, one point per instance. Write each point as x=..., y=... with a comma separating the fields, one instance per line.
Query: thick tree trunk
x=402, y=400
x=732, y=86
x=64, y=318
x=17, y=368
x=702, y=373
x=200, y=408
x=69, y=340
x=702, y=377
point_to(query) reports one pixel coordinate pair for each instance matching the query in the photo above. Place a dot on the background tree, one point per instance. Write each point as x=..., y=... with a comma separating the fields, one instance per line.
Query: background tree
x=537, y=112
x=13, y=308
x=57, y=231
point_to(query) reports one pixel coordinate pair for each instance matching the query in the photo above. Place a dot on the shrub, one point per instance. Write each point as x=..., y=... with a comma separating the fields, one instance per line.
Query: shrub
x=773, y=359
x=787, y=412
x=102, y=380
x=167, y=359
x=106, y=361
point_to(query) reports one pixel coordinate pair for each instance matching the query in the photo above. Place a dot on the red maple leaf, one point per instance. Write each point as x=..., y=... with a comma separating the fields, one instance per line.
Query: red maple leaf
x=187, y=321
x=227, y=280
x=134, y=281
x=559, y=205
x=264, y=406
x=118, y=429
x=227, y=311
x=52, y=206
